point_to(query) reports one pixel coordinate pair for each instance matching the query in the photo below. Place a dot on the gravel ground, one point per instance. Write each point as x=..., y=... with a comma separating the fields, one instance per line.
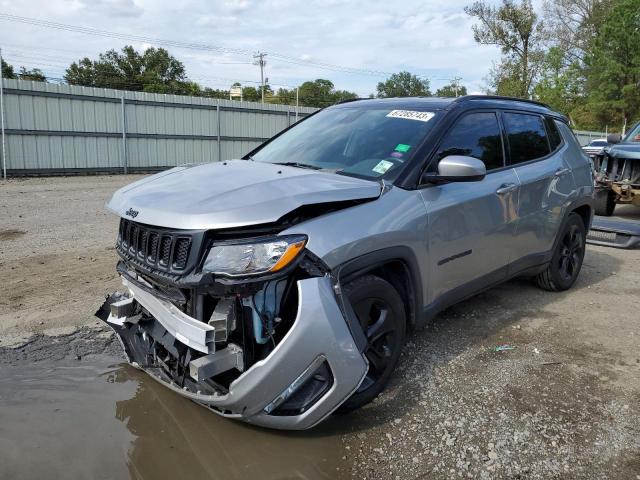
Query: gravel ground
x=563, y=403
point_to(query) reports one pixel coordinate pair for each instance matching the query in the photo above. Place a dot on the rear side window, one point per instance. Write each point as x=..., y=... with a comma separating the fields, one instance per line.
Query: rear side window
x=527, y=137
x=475, y=135
x=555, y=140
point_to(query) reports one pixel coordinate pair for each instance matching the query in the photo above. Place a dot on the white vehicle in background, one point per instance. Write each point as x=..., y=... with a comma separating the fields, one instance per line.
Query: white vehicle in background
x=595, y=147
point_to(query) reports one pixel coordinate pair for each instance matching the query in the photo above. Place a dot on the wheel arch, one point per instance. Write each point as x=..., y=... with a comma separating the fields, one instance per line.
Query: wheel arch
x=398, y=266
x=586, y=213
x=584, y=207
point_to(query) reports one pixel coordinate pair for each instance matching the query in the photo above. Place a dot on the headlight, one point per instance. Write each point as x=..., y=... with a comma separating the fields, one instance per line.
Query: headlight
x=254, y=256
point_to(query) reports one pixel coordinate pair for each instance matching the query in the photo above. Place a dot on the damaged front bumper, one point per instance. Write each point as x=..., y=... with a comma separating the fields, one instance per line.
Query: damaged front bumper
x=314, y=368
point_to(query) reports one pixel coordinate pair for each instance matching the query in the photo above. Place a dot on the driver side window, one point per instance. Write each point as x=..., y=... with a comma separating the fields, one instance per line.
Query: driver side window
x=474, y=135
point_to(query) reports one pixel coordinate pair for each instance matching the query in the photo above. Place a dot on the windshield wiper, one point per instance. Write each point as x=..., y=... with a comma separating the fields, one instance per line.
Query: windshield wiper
x=300, y=165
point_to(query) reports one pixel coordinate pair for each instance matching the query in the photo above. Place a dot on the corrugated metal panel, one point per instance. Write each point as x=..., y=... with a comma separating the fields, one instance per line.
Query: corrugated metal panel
x=585, y=137
x=51, y=128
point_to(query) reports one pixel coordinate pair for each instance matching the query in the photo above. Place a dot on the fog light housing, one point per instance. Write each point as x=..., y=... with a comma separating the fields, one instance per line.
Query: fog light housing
x=304, y=392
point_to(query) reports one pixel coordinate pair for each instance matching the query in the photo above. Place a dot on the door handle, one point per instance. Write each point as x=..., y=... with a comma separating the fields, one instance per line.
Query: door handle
x=561, y=171
x=506, y=188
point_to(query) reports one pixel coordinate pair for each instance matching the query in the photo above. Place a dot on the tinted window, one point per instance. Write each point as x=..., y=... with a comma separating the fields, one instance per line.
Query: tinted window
x=475, y=135
x=527, y=137
x=554, y=135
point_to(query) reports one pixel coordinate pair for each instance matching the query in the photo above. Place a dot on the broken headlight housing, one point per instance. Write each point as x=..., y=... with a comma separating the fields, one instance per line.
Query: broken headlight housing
x=253, y=256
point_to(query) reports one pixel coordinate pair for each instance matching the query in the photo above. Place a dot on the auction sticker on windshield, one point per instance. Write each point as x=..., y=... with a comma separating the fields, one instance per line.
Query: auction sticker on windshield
x=383, y=166
x=411, y=115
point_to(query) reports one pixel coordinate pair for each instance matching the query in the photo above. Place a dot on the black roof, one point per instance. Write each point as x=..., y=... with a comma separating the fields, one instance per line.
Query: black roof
x=441, y=103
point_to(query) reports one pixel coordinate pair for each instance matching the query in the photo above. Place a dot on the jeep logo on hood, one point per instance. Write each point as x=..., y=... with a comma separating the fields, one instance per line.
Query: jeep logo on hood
x=132, y=213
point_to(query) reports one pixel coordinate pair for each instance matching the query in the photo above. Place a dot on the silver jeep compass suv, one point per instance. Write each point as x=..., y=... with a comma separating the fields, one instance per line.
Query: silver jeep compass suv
x=280, y=287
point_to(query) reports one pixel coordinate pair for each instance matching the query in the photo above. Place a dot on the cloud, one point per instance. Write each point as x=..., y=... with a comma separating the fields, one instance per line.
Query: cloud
x=110, y=8
x=431, y=38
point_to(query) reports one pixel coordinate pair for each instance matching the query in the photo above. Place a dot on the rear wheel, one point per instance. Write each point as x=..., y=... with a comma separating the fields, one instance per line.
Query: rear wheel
x=381, y=314
x=605, y=203
x=565, y=265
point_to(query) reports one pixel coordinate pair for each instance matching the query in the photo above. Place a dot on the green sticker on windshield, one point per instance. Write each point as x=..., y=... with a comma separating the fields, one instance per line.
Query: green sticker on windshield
x=383, y=166
x=402, y=147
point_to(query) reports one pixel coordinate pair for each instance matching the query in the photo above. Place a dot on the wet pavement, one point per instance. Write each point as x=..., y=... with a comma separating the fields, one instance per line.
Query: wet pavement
x=95, y=417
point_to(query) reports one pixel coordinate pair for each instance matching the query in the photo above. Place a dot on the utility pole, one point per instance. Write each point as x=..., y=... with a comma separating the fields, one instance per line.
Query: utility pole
x=261, y=62
x=4, y=151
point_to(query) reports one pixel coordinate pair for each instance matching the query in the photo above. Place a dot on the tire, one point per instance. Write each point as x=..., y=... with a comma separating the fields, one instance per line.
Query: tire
x=605, y=203
x=564, y=267
x=375, y=300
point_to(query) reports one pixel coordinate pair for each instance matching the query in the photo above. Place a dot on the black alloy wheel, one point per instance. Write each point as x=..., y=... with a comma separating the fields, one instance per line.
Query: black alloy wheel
x=564, y=267
x=381, y=313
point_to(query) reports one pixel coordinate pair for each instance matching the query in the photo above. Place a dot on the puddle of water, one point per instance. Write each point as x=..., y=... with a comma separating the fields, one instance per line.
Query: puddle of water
x=99, y=419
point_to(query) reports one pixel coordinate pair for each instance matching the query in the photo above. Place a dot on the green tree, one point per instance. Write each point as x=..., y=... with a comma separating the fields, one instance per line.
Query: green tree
x=251, y=94
x=214, y=93
x=451, y=90
x=153, y=70
x=613, y=67
x=35, y=74
x=7, y=70
x=572, y=25
x=343, y=95
x=321, y=93
x=559, y=85
x=516, y=29
x=318, y=93
x=284, y=96
x=403, y=84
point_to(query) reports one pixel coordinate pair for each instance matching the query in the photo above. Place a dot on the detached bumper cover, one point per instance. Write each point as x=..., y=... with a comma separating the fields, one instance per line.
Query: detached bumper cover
x=319, y=332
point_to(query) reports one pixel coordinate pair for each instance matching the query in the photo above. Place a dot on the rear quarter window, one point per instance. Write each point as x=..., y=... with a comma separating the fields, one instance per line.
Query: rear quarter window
x=526, y=136
x=555, y=139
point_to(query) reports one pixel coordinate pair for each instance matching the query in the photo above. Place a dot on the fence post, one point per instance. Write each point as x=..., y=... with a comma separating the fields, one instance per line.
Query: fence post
x=124, y=135
x=4, y=151
x=218, y=133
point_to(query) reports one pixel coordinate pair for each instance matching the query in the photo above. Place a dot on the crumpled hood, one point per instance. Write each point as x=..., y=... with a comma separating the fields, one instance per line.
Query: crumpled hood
x=232, y=194
x=625, y=150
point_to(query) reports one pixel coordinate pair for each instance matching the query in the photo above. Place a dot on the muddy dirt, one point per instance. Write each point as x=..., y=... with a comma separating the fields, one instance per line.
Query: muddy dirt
x=57, y=252
x=563, y=403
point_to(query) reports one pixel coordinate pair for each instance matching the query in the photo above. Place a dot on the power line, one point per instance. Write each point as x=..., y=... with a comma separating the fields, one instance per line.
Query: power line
x=186, y=45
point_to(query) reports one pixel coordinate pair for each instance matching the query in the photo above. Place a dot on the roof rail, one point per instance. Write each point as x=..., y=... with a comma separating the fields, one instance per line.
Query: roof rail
x=498, y=97
x=351, y=100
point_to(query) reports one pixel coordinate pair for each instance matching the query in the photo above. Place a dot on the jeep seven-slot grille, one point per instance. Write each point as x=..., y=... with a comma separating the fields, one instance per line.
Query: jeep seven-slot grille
x=158, y=249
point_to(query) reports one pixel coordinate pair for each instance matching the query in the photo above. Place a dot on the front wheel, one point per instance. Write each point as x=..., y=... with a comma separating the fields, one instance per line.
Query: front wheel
x=380, y=311
x=565, y=265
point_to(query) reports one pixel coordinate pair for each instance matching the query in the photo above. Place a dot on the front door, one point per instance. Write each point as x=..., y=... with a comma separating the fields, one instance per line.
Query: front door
x=471, y=225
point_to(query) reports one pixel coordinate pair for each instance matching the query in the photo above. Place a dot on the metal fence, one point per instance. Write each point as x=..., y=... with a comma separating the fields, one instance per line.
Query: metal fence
x=61, y=129
x=585, y=137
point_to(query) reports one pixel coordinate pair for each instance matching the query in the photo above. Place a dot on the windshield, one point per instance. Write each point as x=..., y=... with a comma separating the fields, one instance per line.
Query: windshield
x=598, y=143
x=362, y=142
x=634, y=135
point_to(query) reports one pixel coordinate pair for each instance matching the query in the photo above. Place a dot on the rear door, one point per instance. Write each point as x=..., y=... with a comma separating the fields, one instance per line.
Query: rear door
x=535, y=152
x=470, y=225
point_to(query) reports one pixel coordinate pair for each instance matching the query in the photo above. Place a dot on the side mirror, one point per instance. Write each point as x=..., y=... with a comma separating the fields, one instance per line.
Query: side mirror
x=458, y=168
x=614, y=138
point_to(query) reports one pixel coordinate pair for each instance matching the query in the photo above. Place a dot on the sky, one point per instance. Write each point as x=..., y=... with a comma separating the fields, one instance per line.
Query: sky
x=304, y=40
